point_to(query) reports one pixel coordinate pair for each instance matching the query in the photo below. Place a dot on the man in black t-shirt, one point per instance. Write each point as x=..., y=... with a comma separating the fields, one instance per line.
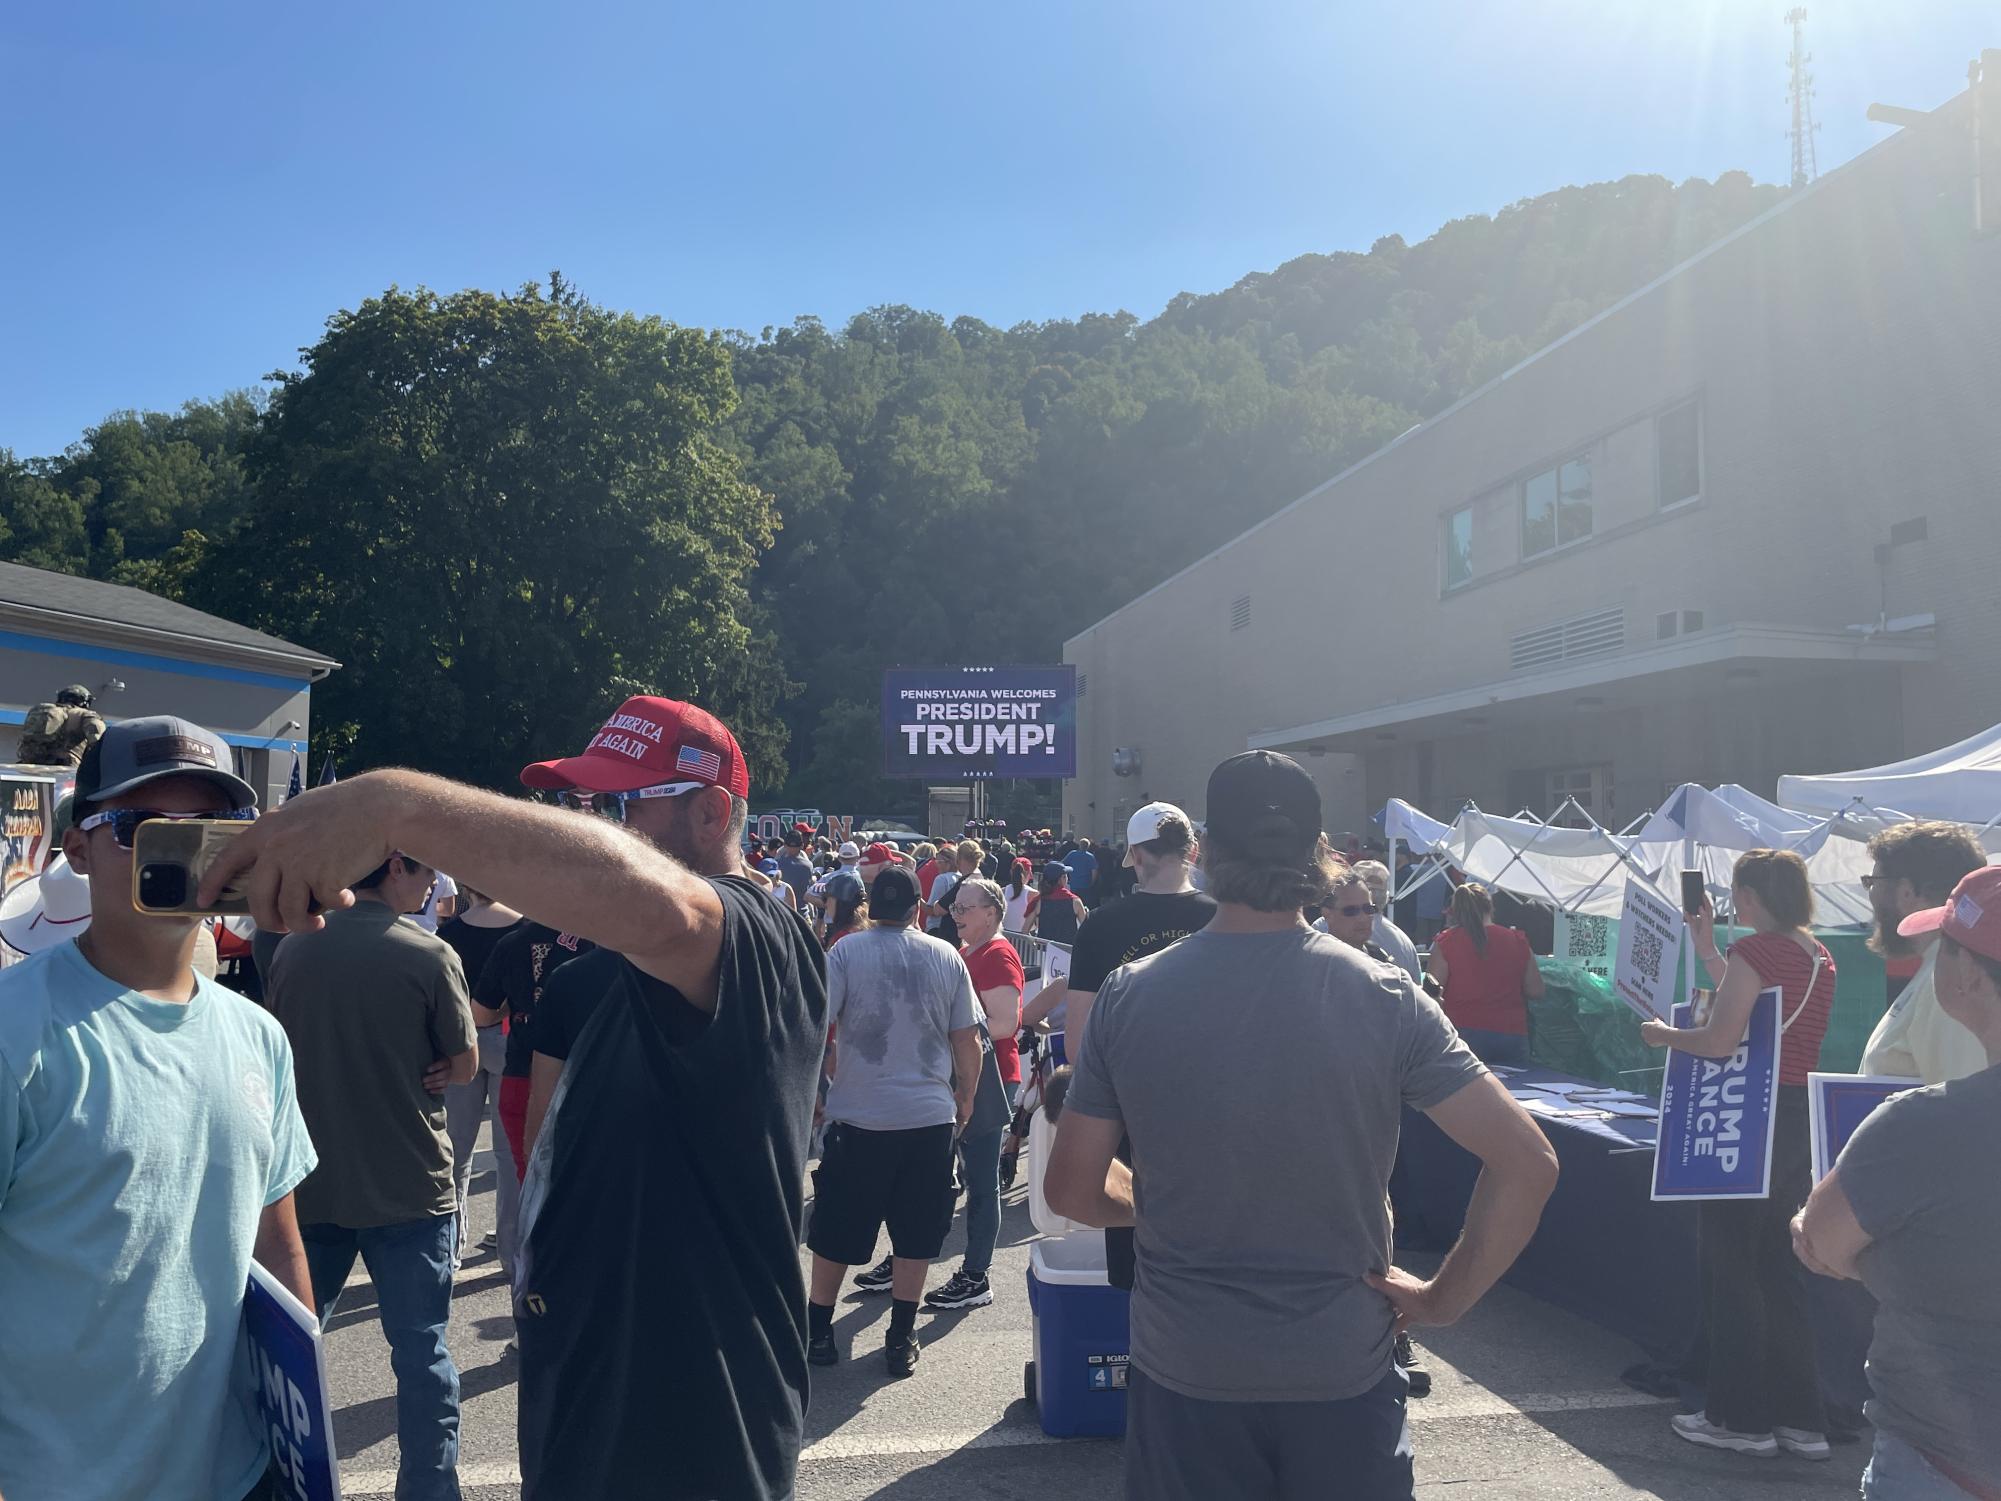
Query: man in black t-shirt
x=510, y=988
x=1163, y=908
x=661, y=1309
x=569, y=1001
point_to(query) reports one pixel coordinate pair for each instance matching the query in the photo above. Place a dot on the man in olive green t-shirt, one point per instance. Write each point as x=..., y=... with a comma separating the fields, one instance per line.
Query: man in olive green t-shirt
x=379, y=1021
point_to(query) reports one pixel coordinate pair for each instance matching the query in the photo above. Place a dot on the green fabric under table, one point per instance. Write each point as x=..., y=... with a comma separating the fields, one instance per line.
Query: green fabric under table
x=1580, y=1028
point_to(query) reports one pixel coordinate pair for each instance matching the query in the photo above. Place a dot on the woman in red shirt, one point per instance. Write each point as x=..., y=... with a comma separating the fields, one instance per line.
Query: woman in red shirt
x=1763, y=1389
x=977, y=907
x=1488, y=974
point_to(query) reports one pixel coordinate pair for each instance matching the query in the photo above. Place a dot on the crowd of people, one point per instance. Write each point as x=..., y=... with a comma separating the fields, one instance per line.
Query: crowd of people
x=672, y=1030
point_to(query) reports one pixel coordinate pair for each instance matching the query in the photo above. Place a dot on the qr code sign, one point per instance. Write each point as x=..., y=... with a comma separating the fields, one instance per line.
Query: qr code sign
x=1647, y=955
x=1589, y=938
x=1587, y=942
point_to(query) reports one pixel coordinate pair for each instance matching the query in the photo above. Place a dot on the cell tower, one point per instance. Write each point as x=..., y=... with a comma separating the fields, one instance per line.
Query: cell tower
x=1806, y=163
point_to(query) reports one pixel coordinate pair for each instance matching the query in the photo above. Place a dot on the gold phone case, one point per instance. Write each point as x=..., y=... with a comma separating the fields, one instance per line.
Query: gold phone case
x=162, y=847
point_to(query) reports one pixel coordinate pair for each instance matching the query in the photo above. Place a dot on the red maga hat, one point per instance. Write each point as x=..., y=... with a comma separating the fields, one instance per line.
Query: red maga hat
x=650, y=742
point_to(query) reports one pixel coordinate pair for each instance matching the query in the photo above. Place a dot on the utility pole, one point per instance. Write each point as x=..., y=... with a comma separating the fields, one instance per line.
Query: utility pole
x=1806, y=163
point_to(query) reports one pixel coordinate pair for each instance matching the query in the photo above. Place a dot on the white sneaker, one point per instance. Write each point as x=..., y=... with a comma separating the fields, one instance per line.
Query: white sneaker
x=1804, y=1442
x=1697, y=1429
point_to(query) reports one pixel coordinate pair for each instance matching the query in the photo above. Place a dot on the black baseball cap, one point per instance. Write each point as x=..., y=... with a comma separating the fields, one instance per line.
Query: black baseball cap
x=1264, y=805
x=133, y=752
x=893, y=895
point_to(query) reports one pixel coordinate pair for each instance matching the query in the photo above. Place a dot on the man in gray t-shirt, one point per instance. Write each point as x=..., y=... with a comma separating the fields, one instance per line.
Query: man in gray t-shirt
x=904, y=1062
x=895, y=997
x=1260, y=1070
x=1913, y=1209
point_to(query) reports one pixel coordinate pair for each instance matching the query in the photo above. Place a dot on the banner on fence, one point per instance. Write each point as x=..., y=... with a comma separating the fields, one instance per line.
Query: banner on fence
x=290, y=1370
x=1838, y=1103
x=1649, y=953
x=1717, y=1114
x=947, y=723
x=775, y=824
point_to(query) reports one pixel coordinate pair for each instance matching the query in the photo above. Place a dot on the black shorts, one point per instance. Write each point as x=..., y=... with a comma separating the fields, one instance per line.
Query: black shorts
x=867, y=1179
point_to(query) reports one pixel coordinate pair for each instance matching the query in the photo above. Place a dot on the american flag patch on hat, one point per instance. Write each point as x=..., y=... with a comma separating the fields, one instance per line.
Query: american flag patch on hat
x=696, y=762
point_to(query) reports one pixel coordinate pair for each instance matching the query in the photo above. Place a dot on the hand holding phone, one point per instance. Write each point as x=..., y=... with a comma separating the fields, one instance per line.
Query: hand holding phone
x=169, y=859
x=1694, y=892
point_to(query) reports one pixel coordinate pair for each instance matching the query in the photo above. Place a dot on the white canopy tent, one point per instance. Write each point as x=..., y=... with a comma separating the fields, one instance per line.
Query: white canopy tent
x=1585, y=870
x=1961, y=783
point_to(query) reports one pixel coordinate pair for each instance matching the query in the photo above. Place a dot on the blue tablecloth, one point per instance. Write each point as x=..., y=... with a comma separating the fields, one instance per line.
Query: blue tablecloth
x=1604, y=1250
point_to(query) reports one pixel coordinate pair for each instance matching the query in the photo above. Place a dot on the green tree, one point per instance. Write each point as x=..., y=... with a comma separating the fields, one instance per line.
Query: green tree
x=41, y=524
x=504, y=513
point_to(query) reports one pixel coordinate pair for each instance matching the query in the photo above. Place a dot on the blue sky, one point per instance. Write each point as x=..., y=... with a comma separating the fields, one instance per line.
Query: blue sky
x=192, y=189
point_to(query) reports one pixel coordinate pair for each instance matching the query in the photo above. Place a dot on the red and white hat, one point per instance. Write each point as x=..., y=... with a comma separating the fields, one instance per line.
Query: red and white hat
x=1971, y=917
x=46, y=909
x=650, y=742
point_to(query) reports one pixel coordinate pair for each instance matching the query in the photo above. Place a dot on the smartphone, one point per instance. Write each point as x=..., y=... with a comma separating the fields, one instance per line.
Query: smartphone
x=169, y=859
x=1693, y=891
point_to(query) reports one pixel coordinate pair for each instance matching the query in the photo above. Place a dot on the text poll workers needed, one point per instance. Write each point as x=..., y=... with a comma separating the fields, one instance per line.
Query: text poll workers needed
x=945, y=723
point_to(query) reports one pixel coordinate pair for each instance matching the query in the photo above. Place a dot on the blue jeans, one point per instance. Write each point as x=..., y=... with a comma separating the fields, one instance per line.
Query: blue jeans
x=981, y=1158
x=411, y=1267
x=1897, y=1472
x=1509, y=1048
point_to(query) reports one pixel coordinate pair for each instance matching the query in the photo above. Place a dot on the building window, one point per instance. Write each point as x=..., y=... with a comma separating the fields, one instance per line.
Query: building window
x=1556, y=507
x=1240, y=612
x=1678, y=454
x=1459, y=547
x=1589, y=786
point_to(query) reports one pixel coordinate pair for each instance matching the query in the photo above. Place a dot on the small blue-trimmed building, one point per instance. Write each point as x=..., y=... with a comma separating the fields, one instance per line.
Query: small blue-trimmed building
x=141, y=654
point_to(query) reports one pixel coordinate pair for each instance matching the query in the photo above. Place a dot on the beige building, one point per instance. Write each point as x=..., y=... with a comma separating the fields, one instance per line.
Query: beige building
x=141, y=654
x=1745, y=522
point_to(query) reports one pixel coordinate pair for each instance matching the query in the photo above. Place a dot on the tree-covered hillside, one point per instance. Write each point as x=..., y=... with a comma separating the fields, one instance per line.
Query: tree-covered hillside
x=942, y=491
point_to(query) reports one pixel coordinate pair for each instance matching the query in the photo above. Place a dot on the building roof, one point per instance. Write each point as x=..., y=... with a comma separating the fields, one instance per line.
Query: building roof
x=57, y=598
x=1430, y=425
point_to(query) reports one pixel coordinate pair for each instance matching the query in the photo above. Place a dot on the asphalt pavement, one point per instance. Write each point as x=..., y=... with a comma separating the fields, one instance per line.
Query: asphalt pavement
x=1526, y=1405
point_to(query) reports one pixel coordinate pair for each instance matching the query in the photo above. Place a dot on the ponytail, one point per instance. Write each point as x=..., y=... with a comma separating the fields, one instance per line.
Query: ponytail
x=1471, y=909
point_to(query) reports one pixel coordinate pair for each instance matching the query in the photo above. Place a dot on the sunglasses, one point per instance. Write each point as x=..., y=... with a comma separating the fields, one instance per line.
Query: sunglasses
x=124, y=822
x=1354, y=911
x=611, y=805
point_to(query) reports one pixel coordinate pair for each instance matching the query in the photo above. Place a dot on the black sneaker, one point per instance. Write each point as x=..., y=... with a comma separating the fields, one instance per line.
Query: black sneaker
x=901, y=1354
x=820, y=1350
x=1412, y=1367
x=965, y=1290
x=877, y=1279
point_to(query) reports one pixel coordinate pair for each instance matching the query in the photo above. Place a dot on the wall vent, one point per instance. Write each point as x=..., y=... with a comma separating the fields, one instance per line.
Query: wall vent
x=1240, y=612
x=1592, y=635
x=1083, y=682
x=1671, y=623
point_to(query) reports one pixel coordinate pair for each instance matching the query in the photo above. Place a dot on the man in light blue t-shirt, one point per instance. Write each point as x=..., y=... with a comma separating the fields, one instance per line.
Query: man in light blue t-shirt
x=149, y=1145
x=1083, y=868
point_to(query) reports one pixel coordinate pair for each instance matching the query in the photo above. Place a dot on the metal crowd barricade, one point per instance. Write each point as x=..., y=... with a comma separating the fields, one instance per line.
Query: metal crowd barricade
x=1034, y=952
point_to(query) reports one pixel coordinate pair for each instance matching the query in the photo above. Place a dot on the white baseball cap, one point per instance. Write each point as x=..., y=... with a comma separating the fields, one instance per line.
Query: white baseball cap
x=1145, y=824
x=850, y=851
